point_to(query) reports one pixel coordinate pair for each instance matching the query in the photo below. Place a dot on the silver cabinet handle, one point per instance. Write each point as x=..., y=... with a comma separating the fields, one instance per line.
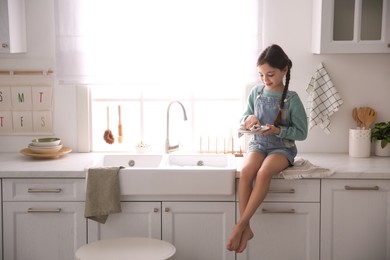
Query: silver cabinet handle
x=288, y=211
x=31, y=190
x=282, y=191
x=32, y=210
x=156, y=210
x=166, y=209
x=361, y=188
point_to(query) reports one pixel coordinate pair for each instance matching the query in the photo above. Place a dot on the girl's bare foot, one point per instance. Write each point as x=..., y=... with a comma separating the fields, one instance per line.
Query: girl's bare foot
x=235, y=238
x=245, y=237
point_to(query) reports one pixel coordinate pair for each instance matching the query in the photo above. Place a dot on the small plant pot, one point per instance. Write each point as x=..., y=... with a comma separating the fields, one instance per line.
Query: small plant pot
x=379, y=151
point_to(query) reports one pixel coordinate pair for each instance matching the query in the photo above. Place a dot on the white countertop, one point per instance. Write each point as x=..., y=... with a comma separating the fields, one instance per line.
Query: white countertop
x=74, y=165
x=346, y=167
x=373, y=167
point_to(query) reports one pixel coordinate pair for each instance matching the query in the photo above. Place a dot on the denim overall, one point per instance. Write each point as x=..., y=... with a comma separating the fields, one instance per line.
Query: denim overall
x=266, y=110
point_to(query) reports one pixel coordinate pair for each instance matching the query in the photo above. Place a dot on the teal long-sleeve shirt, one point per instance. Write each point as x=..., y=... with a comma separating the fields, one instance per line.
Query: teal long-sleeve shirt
x=298, y=120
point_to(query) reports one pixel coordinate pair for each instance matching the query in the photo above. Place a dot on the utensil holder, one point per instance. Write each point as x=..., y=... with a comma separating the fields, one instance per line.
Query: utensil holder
x=359, y=142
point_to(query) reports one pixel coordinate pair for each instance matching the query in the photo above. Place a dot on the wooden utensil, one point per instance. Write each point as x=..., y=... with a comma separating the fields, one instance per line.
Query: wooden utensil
x=356, y=118
x=108, y=136
x=369, y=117
x=120, y=136
x=361, y=113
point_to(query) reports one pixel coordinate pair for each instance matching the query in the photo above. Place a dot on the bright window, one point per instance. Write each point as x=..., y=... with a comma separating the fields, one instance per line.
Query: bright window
x=141, y=55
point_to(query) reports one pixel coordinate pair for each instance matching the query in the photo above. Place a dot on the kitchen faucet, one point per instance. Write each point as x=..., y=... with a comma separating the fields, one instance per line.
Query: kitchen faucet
x=168, y=147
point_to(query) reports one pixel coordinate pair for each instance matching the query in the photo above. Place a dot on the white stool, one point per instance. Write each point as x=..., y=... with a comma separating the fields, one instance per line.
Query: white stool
x=126, y=248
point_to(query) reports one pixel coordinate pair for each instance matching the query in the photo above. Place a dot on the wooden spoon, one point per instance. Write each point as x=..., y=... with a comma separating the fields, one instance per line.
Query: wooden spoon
x=356, y=118
x=361, y=113
x=369, y=117
x=108, y=136
x=120, y=133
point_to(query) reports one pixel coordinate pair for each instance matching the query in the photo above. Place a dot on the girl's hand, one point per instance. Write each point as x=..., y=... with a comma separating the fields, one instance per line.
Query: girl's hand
x=271, y=130
x=250, y=121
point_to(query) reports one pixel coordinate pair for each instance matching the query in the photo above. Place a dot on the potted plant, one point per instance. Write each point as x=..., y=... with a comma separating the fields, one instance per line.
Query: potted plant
x=141, y=147
x=380, y=133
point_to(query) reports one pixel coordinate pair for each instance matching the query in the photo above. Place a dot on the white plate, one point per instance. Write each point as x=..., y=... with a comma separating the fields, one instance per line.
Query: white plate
x=254, y=130
x=46, y=150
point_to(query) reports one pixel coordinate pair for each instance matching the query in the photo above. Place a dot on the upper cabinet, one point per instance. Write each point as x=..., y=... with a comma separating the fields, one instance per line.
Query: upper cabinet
x=12, y=26
x=351, y=26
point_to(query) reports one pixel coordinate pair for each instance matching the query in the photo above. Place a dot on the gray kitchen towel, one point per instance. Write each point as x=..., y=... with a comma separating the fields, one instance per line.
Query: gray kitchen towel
x=103, y=193
x=323, y=100
x=304, y=169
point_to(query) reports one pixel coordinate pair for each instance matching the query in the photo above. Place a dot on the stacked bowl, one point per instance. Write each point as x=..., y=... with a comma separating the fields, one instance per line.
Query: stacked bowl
x=49, y=145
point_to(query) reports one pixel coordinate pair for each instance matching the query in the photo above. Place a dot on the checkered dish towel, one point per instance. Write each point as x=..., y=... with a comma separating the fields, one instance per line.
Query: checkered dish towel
x=323, y=99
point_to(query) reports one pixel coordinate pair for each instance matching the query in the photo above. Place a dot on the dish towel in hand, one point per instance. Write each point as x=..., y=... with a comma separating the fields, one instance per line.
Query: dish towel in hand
x=103, y=194
x=304, y=169
x=323, y=99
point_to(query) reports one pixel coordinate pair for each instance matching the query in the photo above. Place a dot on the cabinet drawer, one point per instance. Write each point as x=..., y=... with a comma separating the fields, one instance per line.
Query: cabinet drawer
x=294, y=190
x=43, y=189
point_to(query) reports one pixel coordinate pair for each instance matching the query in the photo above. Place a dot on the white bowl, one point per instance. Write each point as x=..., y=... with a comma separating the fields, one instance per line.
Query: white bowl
x=49, y=141
x=45, y=150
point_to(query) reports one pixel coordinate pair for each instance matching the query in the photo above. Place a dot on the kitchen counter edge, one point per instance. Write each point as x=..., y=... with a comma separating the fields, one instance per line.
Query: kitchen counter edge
x=75, y=165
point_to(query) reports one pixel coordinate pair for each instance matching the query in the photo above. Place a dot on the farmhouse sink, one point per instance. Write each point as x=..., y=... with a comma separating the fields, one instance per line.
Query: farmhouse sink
x=174, y=174
x=200, y=161
x=133, y=160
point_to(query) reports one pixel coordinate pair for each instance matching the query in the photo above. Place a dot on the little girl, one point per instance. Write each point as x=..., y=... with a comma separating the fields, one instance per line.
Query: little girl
x=270, y=151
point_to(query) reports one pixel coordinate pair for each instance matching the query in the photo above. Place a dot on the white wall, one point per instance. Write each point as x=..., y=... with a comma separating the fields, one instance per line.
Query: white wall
x=40, y=56
x=362, y=80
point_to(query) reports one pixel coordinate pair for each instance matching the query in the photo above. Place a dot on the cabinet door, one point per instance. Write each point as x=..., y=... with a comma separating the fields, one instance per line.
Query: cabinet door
x=355, y=220
x=284, y=231
x=199, y=230
x=351, y=26
x=12, y=26
x=43, y=230
x=138, y=219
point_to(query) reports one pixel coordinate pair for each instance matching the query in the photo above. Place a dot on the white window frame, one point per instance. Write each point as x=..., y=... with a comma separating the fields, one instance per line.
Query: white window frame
x=84, y=101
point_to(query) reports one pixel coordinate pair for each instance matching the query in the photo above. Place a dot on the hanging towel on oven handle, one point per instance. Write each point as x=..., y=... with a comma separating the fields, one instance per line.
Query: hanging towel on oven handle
x=323, y=101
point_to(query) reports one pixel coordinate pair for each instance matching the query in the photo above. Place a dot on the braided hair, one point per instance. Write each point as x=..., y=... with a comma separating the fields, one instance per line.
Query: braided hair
x=277, y=58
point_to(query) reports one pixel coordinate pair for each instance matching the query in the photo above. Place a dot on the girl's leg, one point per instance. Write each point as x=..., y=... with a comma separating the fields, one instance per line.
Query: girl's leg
x=248, y=173
x=273, y=164
x=247, y=176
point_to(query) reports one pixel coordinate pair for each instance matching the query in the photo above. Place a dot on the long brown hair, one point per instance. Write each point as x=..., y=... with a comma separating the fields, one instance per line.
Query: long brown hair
x=277, y=58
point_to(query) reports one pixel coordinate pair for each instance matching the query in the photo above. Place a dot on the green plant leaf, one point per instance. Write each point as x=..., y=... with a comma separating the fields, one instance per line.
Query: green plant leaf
x=381, y=131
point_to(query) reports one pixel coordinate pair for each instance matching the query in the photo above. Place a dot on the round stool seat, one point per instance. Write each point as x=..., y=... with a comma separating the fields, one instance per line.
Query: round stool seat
x=126, y=248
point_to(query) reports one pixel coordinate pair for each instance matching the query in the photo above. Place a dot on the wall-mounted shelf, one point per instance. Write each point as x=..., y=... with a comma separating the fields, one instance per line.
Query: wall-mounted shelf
x=26, y=72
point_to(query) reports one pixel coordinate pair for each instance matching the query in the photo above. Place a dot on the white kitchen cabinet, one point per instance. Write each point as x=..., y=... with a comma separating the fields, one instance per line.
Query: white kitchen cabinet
x=197, y=229
x=287, y=223
x=351, y=26
x=137, y=219
x=355, y=219
x=43, y=218
x=12, y=26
